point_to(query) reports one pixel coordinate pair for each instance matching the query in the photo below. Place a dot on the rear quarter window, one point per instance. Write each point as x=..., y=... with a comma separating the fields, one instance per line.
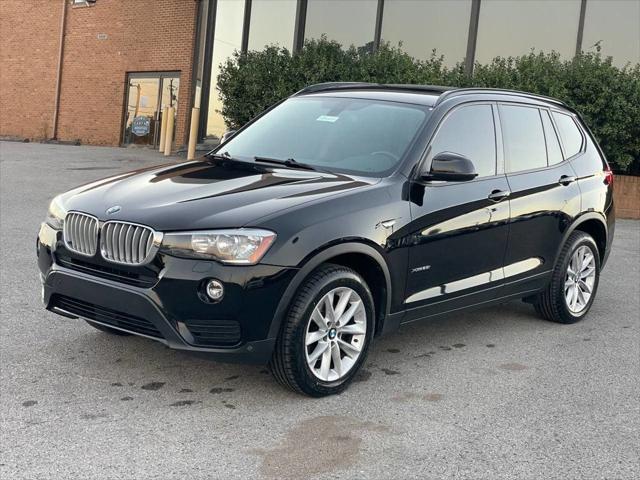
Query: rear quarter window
x=570, y=134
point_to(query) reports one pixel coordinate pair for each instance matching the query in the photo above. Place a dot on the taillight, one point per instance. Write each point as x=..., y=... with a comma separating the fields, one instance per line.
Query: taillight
x=608, y=176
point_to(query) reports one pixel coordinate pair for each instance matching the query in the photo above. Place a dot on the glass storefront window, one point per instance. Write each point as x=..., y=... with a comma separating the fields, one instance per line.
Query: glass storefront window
x=227, y=39
x=514, y=27
x=349, y=22
x=147, y=96
x=422, y=26
x=272, y=22
x=140, y=123
x=614, y=26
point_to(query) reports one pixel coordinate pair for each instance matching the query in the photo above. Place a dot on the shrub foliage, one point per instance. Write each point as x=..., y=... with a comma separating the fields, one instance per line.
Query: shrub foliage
x=606, y=96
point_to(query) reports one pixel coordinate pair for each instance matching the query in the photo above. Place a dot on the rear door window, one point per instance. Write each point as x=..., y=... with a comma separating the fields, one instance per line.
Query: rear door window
x=523, y=137
x=469, y=131
x=569, y=133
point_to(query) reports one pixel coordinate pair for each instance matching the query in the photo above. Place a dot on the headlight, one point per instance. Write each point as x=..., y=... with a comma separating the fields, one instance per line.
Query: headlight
x=56, y=214
x=245, y=246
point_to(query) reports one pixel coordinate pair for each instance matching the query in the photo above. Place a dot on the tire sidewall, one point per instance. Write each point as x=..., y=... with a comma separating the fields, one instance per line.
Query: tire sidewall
x=568, y=315
x=340, y=278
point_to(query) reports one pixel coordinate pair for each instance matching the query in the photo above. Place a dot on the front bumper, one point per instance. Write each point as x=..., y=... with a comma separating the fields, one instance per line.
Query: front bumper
x=165, y=302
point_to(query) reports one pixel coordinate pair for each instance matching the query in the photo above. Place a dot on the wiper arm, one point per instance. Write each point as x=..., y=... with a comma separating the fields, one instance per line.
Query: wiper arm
x=224, y=156
x=289, y=162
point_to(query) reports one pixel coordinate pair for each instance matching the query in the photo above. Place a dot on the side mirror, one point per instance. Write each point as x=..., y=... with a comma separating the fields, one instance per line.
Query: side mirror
x=451, y=167
x=227, y=135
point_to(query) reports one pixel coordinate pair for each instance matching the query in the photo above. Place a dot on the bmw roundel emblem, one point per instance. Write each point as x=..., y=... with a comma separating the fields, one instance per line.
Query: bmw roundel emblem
x=114, y=209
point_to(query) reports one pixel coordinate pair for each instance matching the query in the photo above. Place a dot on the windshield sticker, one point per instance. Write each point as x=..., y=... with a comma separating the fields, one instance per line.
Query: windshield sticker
x=326, y=118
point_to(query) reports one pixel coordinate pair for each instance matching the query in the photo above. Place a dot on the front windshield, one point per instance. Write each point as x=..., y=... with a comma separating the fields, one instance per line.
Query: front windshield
x=365, y=137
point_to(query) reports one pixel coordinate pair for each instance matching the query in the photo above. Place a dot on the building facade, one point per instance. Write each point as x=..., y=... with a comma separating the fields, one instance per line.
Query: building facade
x=102, y=71
x=116, y=60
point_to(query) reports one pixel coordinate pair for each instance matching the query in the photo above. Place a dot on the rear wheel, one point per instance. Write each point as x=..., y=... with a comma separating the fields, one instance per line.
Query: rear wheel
x=109, y=330
x=326, y=334
x=572, y=289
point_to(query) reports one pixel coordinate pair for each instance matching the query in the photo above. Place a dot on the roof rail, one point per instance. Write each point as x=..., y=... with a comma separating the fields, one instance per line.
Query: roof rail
x=442, y=91
x=497, y=91
x=319, y=87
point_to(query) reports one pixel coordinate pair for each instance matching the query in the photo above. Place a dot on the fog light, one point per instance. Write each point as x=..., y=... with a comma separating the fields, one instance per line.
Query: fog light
x=214, y=289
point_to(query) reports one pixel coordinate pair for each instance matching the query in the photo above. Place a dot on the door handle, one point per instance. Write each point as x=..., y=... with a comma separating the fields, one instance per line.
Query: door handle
x=567, y=179
x=499, y=195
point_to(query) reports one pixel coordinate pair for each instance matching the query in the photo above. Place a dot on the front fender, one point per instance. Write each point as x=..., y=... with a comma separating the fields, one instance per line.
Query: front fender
x=319, y=257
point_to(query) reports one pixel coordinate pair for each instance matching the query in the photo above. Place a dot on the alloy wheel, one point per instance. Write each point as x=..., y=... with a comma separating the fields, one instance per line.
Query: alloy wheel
x=580, y=279
x=335, y=334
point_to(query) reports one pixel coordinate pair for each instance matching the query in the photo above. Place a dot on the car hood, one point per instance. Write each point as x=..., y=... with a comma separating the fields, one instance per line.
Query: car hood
x=203, y=194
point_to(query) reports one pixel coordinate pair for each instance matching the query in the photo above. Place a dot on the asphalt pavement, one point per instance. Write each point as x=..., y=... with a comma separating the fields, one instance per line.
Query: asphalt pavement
x=492, y=394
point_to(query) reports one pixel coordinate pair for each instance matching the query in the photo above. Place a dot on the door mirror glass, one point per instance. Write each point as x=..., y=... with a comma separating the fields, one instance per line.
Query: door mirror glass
x=451, y=167
x=227, y=135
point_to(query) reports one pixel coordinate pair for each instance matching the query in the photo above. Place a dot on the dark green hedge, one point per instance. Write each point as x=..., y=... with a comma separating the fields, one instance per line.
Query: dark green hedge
x=607, y=97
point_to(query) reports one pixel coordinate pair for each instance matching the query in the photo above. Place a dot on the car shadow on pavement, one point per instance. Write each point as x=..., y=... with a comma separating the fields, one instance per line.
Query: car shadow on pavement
x=137, y=362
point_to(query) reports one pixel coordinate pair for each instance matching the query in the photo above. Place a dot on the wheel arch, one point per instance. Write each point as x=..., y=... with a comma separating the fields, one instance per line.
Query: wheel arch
x=357, y=255
x=595, y=225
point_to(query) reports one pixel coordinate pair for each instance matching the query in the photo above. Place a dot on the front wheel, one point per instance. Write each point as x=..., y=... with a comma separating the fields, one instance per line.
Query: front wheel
x=574, y=282
x=326, y=334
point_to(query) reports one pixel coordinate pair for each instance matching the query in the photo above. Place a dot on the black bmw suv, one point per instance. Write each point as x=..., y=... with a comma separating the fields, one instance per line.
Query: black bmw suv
x=339, y=214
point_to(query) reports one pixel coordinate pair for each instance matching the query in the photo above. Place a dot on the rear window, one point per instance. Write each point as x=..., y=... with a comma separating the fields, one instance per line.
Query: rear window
x=569, y=133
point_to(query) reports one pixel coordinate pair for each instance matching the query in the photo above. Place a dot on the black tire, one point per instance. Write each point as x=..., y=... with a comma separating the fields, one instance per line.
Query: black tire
x=288, y=364
x=112, y=331
x=550, y=304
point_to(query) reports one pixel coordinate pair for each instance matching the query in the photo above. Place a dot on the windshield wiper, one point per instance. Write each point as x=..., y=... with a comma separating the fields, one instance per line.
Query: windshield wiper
x=289, y=162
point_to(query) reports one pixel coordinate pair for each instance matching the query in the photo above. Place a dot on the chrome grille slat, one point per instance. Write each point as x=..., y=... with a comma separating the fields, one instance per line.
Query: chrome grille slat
x=136, y=253
x=127, y=243
x=114, y=241
x=75, y=230
x=116, y=237
x=105, y=237
x=76, y=234
x=142, y=245
x=120, y=244
x=80, y=233
x=91, y=238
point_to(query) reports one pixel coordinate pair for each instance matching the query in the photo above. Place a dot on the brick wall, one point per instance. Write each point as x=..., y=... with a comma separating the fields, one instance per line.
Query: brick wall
x=103, y=43
x=28, y=59
x=626, y=195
